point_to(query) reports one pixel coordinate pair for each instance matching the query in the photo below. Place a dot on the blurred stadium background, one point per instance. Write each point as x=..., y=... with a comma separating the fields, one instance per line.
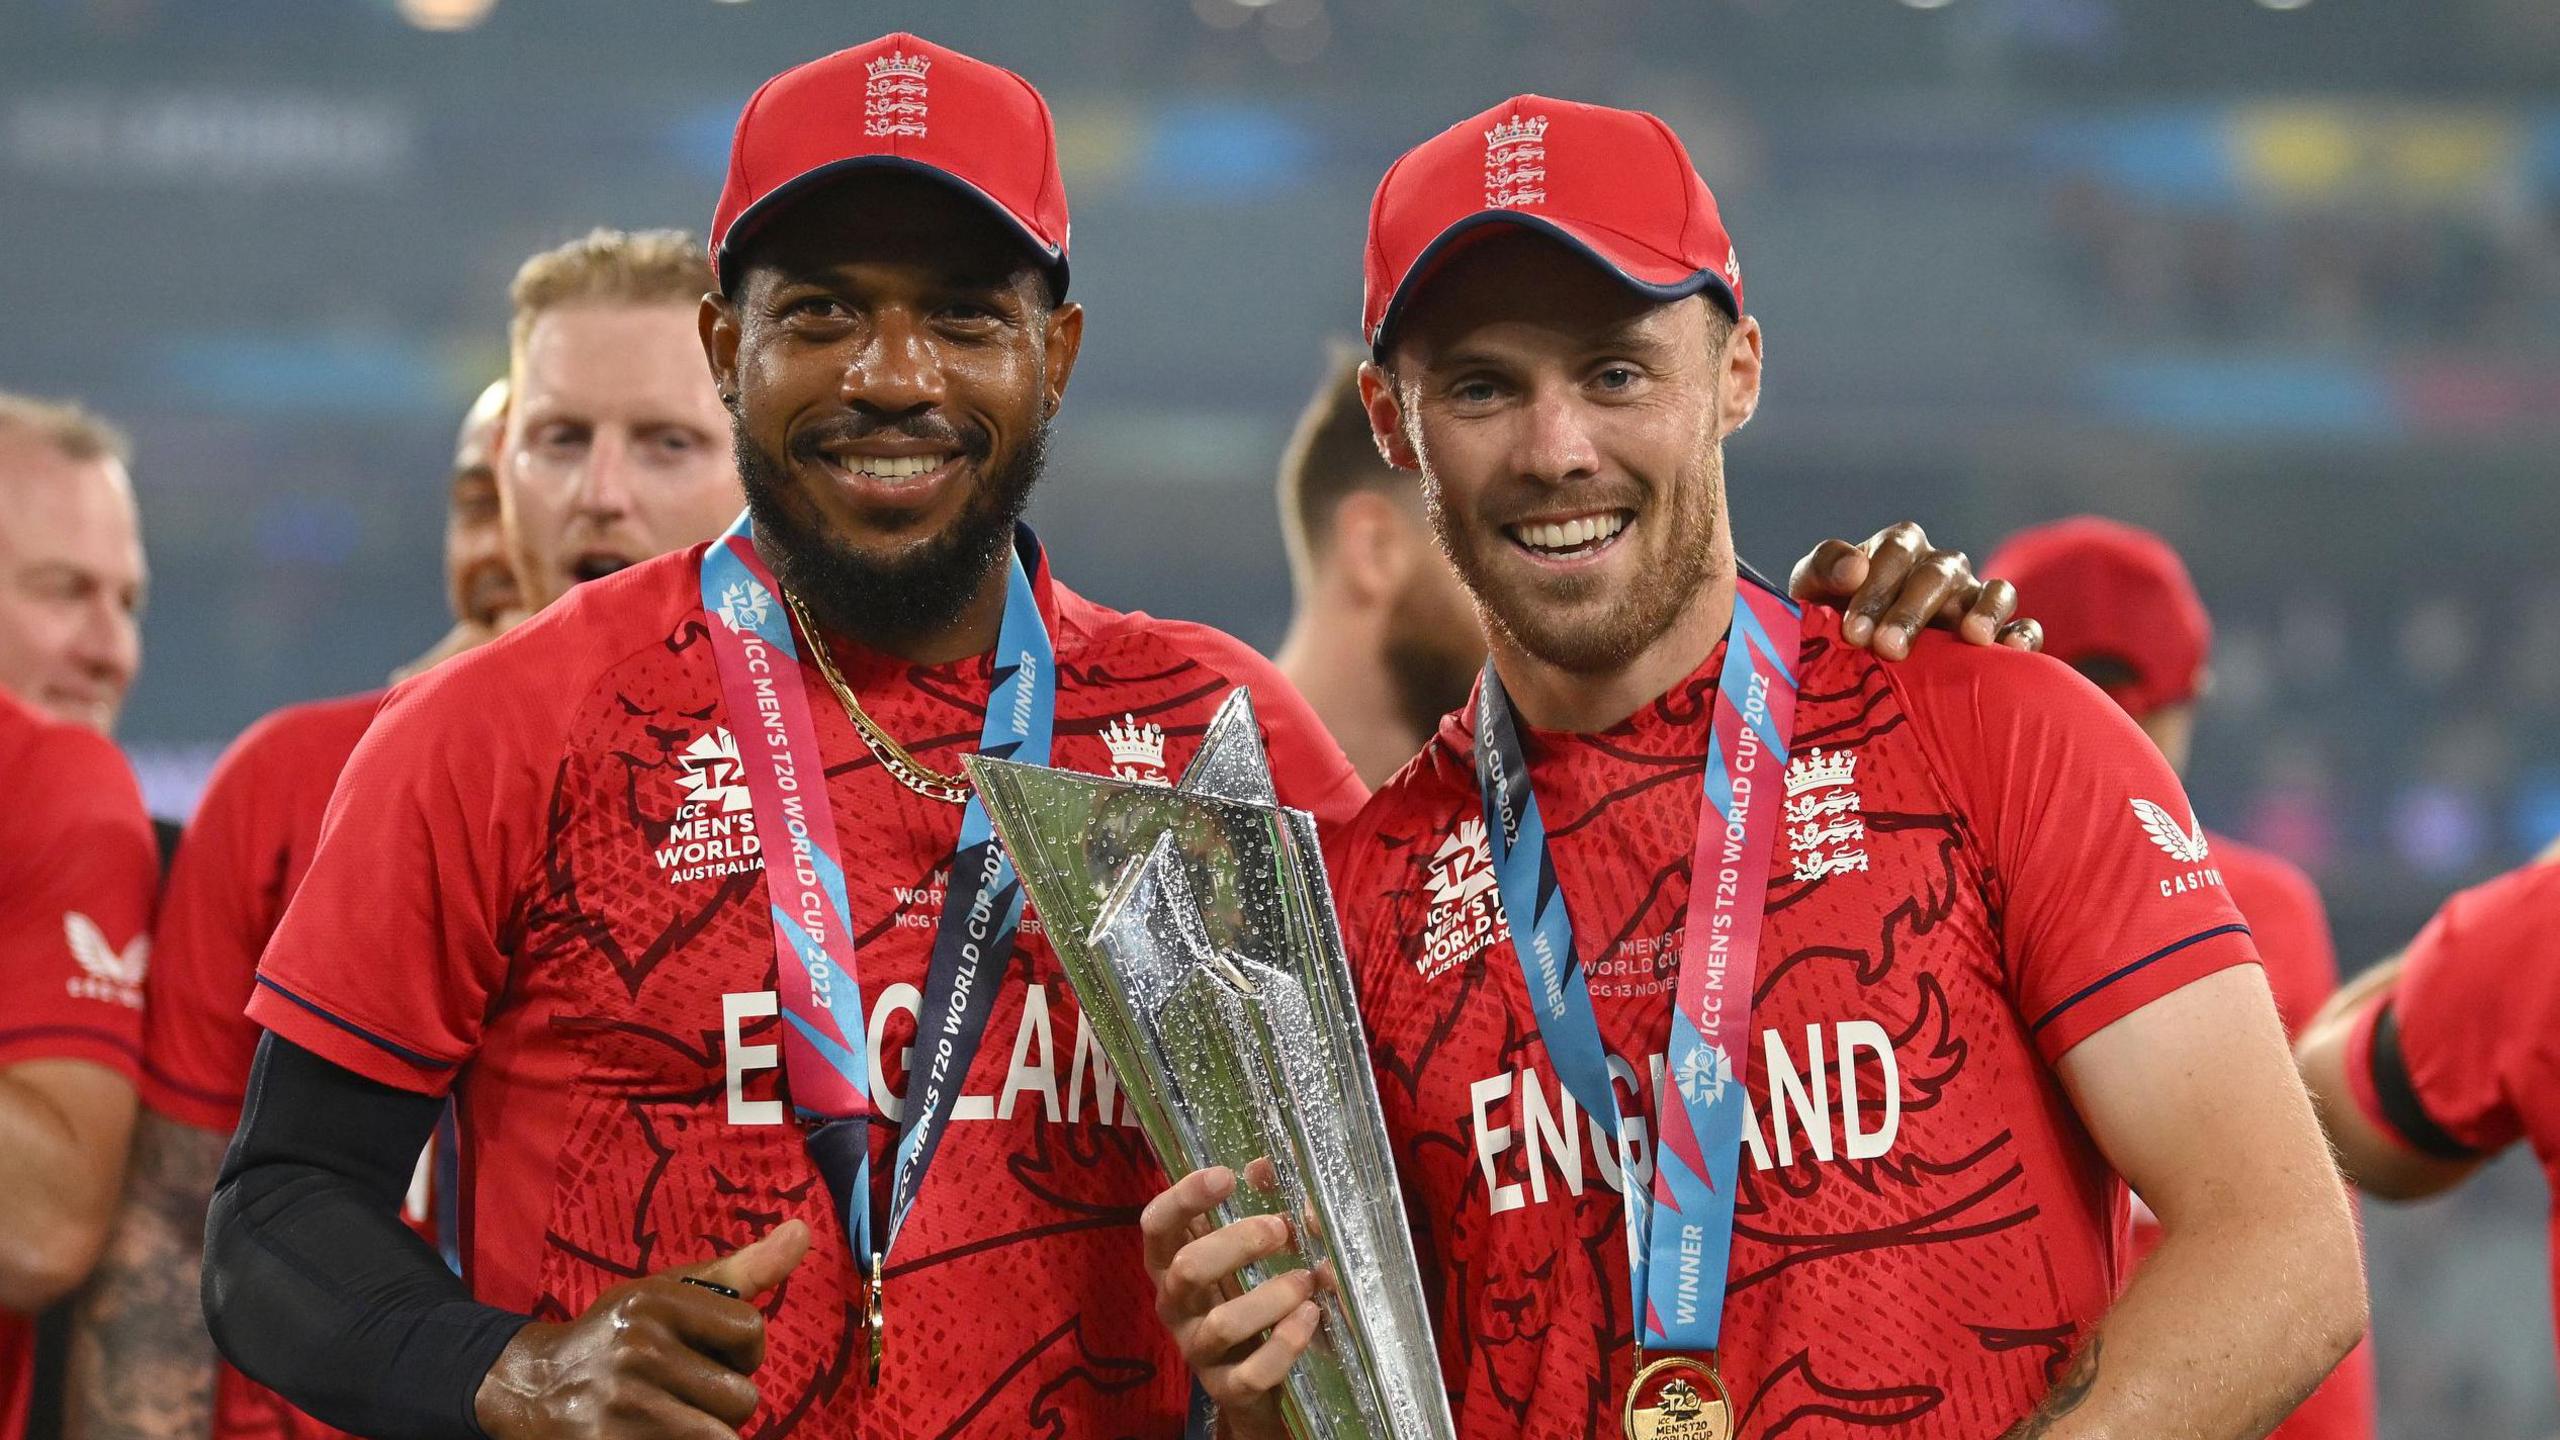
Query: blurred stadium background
x=2280, y=278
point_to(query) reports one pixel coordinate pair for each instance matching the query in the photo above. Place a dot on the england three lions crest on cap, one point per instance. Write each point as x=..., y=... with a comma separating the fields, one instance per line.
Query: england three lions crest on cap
x=1515, y=162
x=894, y=98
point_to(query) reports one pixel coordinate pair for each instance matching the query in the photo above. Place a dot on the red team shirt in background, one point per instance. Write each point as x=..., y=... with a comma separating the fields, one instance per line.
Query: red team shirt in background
x=1962, y=888
x=246, y=848
x=2477, y=1005
x=76, y=883
x=2291, y=929
x=536, y=892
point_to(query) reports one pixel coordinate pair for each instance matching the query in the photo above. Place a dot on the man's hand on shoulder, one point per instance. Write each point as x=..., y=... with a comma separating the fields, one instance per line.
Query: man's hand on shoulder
x=1897, y=584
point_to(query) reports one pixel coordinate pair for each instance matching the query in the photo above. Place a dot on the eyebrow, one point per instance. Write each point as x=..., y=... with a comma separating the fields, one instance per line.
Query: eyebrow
x=835, y=275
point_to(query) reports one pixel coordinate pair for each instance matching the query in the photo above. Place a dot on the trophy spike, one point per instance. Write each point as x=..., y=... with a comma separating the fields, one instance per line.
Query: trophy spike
x=1230, y=763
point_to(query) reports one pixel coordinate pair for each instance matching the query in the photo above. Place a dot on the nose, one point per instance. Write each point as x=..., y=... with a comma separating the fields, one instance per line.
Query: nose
x=108, y=645
x=898, y=369
x=604, y=482
x=1555, y=446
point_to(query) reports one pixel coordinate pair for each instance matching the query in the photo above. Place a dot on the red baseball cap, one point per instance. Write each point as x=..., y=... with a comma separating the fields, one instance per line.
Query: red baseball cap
x=1614, y=185
x=897, y=103
x=2112, y=592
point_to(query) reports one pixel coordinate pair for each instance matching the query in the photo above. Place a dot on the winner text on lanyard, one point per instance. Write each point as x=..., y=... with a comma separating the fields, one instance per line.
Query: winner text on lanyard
x=826, y=1066
x=1680, y=1238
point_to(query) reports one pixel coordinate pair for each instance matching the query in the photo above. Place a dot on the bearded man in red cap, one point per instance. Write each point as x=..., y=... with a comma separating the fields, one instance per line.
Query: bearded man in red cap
x=1767, y=1033
x=2118, y=606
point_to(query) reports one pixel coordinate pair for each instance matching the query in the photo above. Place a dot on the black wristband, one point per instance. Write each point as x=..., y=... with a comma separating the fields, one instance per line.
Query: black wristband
x=2399, y=1098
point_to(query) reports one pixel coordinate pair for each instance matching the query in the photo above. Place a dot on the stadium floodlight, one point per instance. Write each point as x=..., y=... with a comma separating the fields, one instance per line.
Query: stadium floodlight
x=445, y=15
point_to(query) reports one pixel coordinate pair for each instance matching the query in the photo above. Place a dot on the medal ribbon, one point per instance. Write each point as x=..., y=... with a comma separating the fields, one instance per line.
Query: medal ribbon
x=1680, y=1237
x=826, y=1060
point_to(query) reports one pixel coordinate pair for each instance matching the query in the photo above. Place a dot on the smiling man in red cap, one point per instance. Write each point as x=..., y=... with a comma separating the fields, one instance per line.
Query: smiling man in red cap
x=819, y=1110
x=2118, y=606
x=1767, y=1032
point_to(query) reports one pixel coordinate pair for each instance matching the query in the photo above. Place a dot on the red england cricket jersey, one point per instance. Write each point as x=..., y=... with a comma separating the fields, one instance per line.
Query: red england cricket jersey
x=2291, y=930
x=76, y=883
x=245, y=850
x=537, y=890
x=2476, y=1008
x=1979, y=863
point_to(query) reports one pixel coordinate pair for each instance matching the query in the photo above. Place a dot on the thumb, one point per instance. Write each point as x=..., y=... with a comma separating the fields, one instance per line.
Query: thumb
x=760, y=1266
x=1832, y=571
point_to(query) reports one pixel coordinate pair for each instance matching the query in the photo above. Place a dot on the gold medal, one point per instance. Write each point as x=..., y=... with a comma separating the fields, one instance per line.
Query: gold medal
x=875, y=1317
x=1678, y=1398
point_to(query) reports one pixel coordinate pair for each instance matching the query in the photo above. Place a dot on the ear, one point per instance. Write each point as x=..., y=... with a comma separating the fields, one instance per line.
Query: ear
x=1064, y=340
x=1386, y=417
x=1373, y=548
x=1741, y=377
x=718, y=322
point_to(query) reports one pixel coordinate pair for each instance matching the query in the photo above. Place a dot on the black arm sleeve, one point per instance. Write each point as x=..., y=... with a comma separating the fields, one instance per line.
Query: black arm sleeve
x=312, y=1286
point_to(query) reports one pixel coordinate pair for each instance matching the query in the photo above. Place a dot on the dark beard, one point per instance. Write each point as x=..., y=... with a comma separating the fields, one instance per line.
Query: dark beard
x=886, y=605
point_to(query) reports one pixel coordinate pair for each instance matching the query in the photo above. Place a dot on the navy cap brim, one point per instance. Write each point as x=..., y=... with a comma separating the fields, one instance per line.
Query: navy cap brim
x=1051, y=260
x=1471, y=229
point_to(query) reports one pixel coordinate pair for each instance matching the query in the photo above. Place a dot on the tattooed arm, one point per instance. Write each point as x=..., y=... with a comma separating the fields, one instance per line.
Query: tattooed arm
x=141, y=1362
x=2068, y=1392
x=2257, y=1287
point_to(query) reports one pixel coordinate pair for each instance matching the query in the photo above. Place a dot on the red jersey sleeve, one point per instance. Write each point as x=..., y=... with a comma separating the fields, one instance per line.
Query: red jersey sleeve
x=1307, y=767
x=2105, y=886
x=2474, y=1006
x=76, y=887
x=246, y=845
x=214, y=919
x=388, y=959
x=2289, y=925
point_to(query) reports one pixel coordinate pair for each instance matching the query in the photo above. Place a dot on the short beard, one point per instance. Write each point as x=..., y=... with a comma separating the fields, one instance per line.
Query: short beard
x=1684, y=525
x=887, y=604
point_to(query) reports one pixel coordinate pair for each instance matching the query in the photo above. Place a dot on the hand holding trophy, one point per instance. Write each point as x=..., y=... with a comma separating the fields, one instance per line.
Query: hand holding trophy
x=1195, y=925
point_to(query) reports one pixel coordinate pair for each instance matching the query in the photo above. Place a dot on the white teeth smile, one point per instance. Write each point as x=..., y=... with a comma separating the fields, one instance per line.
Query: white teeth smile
x=891, y=467
x=1569, y=535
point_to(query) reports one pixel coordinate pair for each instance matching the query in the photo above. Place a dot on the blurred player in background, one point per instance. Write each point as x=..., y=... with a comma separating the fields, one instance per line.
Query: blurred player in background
x=2428, y=1065
x=1984, y=993
x=617, y=445
x=2118, y=606
x=594, y=350
x=1384, y=640
x=71, y=566
x=76, y=884
x=480, y=583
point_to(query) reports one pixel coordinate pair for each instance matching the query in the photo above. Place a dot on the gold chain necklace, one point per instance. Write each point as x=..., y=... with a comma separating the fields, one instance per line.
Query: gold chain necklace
x=906, y=769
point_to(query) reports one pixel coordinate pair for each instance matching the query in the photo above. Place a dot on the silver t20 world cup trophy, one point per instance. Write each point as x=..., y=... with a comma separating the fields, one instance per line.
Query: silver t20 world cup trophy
x=1196, y=927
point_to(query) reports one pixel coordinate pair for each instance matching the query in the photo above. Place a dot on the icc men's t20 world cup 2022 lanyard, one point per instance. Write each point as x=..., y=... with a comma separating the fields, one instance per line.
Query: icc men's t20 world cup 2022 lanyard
x=826, y=1063
x=1680, y=1237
